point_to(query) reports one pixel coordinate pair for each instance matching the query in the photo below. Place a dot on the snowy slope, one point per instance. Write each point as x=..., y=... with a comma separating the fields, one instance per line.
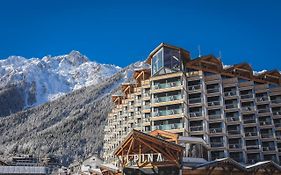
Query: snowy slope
x=51, y=77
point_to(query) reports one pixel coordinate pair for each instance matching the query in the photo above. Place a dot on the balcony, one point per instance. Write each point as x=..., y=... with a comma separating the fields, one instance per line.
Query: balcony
x=234, y=145
x=196, y=128
x=247, y=96
x=252, y=147
x=265, y=123
x=192, y=88
x=247, y=109
x=167, y=112
x=214, y=116
x=276, y=101
x=167, y=98
x=230, y=94
x=267, y=135
x=195, y=114
x=231, y=106
x=213, y=90
x=215, y=130
x=214, y=103
x=265, y=110
x=166, y=85
x=216, y=144
x=248, y=121
x=251, y=133
x=233, y=132
x=268, y=148
x=262, y=99
x=168, y=126
x=232, y=119
x=194, y=100
x=276, y=113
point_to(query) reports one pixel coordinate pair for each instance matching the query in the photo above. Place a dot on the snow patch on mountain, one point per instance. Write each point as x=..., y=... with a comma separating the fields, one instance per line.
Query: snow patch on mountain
x=48, y=78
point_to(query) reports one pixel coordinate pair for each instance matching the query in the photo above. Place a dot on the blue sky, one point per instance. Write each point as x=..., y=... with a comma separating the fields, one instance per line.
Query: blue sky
x=122, y=32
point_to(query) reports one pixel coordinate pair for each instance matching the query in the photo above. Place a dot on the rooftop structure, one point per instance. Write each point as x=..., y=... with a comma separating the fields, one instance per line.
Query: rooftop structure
x=236, y=112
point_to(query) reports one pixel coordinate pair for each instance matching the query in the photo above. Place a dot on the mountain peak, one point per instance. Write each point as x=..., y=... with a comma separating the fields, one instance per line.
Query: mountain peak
x=76, y=57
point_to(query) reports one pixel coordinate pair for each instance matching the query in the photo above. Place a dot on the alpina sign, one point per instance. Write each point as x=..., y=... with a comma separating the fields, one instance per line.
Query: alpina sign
x=139, y=158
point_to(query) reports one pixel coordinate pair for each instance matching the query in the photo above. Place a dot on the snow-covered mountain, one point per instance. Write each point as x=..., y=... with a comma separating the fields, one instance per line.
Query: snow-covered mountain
x=46, y=79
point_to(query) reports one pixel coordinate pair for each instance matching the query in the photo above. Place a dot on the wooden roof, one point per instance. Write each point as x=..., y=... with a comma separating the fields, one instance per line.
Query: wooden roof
x=271, y=76
x=138, y=142
x=167, y=136
x=203, y=62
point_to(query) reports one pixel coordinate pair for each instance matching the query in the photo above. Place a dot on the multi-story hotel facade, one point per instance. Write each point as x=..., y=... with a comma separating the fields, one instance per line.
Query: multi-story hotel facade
x=236, y=112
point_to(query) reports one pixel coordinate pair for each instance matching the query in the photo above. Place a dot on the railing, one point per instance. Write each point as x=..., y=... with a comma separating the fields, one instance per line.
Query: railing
x=235, y=145
x=214, y=103
x=215, y=130
x=266, y=135
x=213, y=90
x=146, y=107
x=276, y=101
x=250, y=134
x=168, y=126
x=249, y=121
x=232, y=119
x=194, y=100
x=230, y=93
x=167, y=85
x=248, y=108
x=277, y=125
x=263, y=110
x=196, y=128
x=245, y=96
x=167, y=98
x=262, y=123
x=214, y=116
x=194, y=87
x=217, y=144
x=249, y=147
x=276, y=112
x=195, y=114
x=231, y=106
x=146, y=119
x=268, y=148
x=260, y=99
x=233, y=132
x=168, y=112
x=146, y=95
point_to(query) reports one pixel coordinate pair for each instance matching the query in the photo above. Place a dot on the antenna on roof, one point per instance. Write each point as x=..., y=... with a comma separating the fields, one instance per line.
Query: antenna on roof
x=199, y=51
x=220, y=55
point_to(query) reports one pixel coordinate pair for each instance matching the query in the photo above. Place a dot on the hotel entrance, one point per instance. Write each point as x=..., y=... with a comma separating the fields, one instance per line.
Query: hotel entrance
x=150, y=154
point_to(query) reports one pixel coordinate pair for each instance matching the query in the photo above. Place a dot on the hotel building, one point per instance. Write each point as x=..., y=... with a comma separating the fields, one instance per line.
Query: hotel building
x=236, y=112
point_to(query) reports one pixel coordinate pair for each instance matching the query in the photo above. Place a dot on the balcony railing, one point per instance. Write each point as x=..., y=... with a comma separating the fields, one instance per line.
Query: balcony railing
x=217, y=144
x=263, y=110
x=213, y=90
x=234, y=132
x=231, y=106
x=263, y=123
x=232, y=119
x=277, y=125
x=234, y=145
x=248, y=108
x=250, y=134
x=167, y=98
x=249, y=121
x=245, y=96
x=215, y=130
x=194, y=100
x=268, y=148
x=250, y=147
x=230, y=93
x=276, y=112
x=276, y=101
x=196, y=128
x=261, y=99
x=266, y=135
x=195, y=114
x=167, y=85
x=168, y=112
x=214, y=103
x=214, y=116
x=194, y=87
x=168, y=126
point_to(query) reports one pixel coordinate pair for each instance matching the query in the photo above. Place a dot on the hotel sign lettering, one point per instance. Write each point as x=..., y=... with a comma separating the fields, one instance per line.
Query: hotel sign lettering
x=140, y=158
